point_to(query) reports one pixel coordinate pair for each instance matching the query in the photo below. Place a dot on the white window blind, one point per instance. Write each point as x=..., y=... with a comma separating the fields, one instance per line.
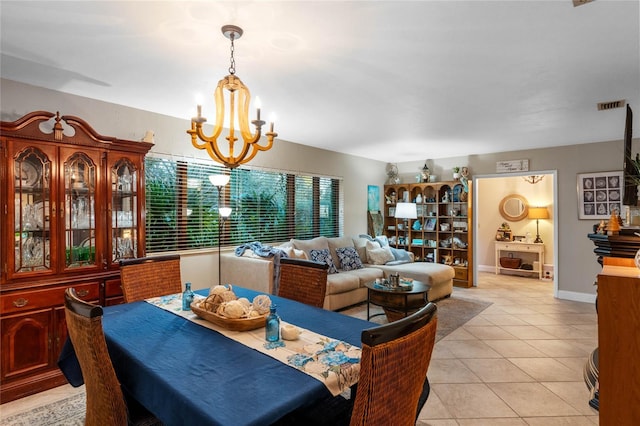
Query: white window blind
x=268, y=206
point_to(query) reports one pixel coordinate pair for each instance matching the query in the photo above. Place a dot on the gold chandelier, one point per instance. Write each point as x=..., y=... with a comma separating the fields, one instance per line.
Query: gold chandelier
x=238, y=95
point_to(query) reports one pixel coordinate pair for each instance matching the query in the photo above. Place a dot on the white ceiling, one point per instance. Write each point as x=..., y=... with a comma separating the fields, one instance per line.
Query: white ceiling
x=388, y=80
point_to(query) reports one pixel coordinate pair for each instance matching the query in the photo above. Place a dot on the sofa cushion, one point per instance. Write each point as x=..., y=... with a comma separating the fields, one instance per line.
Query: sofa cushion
x=318, y=243
x=293, y=253
x=337, y=242
x=349, y=259
x=401, y=255
x=379, y=256
x=360, y=243
x=323, y=256
x=366, y=275
x=342, y=283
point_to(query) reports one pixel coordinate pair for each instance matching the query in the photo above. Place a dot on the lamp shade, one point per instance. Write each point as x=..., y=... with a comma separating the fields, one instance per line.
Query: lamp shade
x=406, y=211
x=225, y=211
x=538, y=213
x=219, y=180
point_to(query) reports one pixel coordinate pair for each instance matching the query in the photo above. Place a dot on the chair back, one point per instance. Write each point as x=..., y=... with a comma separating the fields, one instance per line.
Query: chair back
x=393, y=369
x=303, y=280
x=147, y=277
x=105, y=401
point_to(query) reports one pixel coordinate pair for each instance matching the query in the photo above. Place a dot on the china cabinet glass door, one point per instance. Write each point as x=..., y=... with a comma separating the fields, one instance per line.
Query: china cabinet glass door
x=80, y=175
x=32, y=225
x=124, y=214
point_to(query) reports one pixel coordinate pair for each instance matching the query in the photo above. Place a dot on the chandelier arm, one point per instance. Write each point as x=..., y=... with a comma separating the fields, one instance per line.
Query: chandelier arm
x=255, y=148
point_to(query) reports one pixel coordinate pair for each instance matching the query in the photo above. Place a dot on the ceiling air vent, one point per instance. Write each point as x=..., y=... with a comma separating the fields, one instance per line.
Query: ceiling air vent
x=580, y=2
x=602, y=106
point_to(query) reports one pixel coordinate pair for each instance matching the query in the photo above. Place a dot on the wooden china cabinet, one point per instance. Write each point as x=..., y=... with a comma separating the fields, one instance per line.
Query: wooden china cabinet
x=72, y=206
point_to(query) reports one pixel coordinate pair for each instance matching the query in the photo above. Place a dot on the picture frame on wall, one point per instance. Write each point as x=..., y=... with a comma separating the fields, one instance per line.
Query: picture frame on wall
x=373, y=198
x=599, y=194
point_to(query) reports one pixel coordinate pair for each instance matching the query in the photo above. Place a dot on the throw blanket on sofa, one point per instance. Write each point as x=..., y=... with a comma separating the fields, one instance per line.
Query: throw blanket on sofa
x=265, y=250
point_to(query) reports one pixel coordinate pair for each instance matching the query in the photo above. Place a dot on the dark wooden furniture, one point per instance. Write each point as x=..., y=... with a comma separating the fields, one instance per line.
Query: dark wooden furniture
x=397, y=303
x=147, y=277
x=619, y=345
x=304, y=281
x=72, y=206
x=445, y=218
x=106, y=403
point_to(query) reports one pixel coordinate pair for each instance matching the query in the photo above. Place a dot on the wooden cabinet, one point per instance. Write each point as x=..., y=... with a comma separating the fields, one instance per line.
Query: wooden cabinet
x=72, y=207
x=442, y=231
x=619, y=345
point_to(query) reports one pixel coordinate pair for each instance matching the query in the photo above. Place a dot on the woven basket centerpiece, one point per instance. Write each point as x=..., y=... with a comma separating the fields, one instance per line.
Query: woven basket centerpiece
x=223, y=308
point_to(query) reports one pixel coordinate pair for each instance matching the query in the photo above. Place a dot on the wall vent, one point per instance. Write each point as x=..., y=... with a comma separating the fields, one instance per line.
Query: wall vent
x=602, y=106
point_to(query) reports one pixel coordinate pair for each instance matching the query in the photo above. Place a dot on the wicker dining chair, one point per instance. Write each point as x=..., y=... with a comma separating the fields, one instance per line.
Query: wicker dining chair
x=303, y=280
x=106, y=403
x=147, y=277
x=393, y=384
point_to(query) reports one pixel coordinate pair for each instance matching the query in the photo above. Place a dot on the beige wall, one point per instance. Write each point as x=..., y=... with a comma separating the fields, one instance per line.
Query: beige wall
x=577, y=267
x=171, y=138
x=576, y=263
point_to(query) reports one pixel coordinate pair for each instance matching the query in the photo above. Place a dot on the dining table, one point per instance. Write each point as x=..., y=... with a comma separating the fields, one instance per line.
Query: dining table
x=187, y=374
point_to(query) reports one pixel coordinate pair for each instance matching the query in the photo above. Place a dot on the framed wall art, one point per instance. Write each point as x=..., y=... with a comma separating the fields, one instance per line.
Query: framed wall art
x=599, y=194
x=373, y=198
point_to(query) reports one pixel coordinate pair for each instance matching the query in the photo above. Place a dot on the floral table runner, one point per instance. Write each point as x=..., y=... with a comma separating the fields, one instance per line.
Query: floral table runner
x=335, y=363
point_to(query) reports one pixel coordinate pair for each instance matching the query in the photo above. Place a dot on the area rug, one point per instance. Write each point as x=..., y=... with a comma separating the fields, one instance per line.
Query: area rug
x=65, y=412
x=453, y=312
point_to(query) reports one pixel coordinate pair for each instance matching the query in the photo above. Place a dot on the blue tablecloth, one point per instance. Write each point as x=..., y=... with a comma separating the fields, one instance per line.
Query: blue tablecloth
x=187, y=374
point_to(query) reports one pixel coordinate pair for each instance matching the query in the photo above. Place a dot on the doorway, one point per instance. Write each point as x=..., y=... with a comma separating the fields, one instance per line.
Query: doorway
x=488, y=192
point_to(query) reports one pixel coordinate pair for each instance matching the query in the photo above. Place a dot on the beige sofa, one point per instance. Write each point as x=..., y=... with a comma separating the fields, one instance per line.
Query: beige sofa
x=344, y=288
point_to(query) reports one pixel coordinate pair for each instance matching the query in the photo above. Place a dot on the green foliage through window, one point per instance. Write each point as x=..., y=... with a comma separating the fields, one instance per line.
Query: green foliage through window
x=268, y=206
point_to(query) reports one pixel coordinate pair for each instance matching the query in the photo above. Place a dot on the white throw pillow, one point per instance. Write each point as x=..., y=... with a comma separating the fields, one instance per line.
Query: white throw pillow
x=379, y=256
x=371, y=245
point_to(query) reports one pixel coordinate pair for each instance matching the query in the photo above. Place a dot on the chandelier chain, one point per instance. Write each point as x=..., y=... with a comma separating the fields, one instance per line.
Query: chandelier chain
x=232, y=66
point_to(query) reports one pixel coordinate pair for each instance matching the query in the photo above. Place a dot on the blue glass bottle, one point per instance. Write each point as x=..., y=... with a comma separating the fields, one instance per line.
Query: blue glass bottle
x=187, y=297
x=272, y=328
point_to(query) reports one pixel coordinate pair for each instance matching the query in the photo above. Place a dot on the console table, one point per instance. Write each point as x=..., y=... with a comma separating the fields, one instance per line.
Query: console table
x=519, y=247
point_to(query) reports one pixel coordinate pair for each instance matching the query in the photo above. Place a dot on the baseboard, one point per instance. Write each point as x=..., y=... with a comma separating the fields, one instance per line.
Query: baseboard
x=486, y=268
x=576, y=296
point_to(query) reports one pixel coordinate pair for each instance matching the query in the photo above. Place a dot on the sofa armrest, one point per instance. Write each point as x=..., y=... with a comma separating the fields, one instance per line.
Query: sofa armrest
x=249, y=272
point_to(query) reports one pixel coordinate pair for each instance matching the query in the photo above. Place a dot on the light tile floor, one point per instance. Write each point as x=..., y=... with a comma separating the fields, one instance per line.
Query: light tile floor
x=520, y=362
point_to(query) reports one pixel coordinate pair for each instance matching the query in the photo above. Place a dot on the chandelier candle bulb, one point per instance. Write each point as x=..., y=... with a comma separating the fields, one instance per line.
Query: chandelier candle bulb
x=258, y=106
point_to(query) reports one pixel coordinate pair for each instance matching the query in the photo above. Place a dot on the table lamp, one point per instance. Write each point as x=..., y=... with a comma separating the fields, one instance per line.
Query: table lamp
x=538, y=213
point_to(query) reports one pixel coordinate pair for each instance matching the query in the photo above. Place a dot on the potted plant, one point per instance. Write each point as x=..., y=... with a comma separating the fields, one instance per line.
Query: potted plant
x=456, y=173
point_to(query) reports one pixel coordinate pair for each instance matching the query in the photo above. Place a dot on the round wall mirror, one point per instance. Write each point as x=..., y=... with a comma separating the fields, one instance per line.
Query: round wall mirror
x=514, y=207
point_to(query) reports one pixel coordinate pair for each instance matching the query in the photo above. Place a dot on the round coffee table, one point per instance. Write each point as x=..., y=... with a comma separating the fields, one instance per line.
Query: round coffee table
x=396, y=301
